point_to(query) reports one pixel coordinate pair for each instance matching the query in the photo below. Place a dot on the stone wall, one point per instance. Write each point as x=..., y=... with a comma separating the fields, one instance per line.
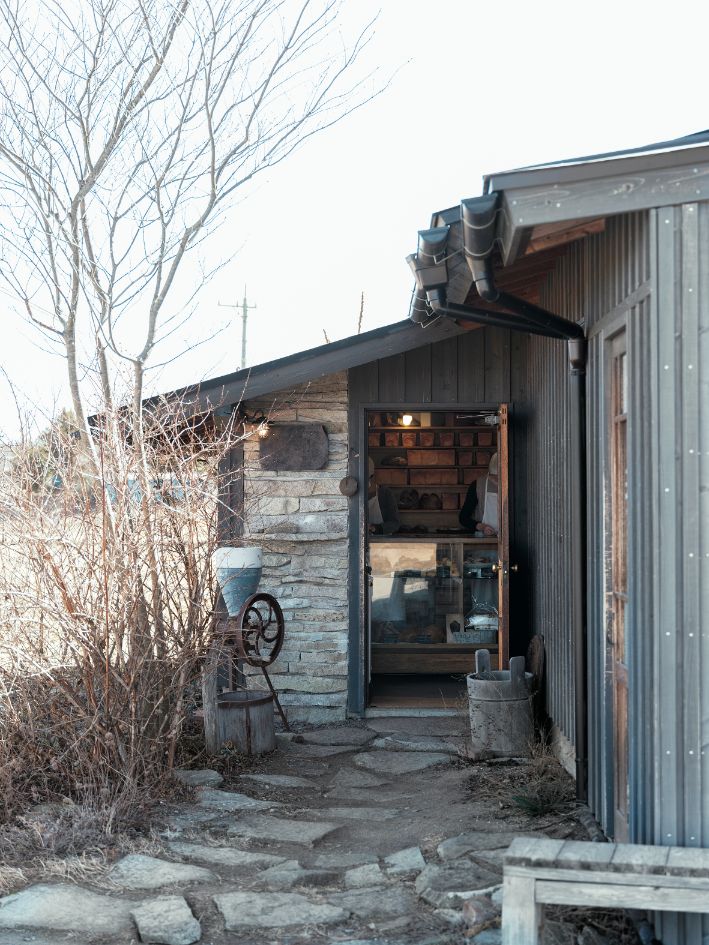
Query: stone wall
x=300, y=519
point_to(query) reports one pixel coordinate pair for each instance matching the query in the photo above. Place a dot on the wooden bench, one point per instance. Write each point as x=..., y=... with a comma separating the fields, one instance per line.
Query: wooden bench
x=597, y=875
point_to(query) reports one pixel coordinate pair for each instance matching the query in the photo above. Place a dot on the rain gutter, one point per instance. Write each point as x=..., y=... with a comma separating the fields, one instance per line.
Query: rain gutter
x=478, y=218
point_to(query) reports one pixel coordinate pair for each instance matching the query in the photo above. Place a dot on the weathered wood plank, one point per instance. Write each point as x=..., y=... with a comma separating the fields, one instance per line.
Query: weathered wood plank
x=532, y=851
x=688, y=861
x=549, y=235
x=444, y=366
x=600, y=876
x=622, y=896
x=522, y=916
x=418, y=375
x=548, y=203
x=497, y=365
x=392, y=379
x=471, y=367
x=639, y=859
x=577, y=854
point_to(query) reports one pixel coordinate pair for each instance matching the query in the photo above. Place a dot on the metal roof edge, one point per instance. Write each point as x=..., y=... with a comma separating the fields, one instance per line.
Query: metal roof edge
x=302, y=366
x=599, y=166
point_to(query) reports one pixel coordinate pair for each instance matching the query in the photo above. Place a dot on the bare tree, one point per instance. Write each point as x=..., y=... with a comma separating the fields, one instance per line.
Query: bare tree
x=126, y=130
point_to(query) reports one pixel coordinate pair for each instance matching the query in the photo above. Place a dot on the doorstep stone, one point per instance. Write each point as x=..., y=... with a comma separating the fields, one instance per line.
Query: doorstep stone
x=230, y=801
x=167, y=920
x=342, y=735
x=243, y=910
x=280, y=830
x=225, y=856
x=399, y=762
x=442, y=725
x=305, y=750
x=137, y=871
x=414, y=743
x=65, y=908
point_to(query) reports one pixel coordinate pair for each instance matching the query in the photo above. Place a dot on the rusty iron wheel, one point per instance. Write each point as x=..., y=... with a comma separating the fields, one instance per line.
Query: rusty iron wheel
x=260, y=630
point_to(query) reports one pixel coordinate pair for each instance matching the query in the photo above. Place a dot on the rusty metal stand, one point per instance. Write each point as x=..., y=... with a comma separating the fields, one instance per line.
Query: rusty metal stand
x=259, y=634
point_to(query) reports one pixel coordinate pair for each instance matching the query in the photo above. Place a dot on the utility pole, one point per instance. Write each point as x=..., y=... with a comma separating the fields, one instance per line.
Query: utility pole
x=244, y=316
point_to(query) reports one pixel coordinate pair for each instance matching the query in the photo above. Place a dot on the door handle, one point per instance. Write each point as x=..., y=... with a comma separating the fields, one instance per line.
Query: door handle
x=496, y=568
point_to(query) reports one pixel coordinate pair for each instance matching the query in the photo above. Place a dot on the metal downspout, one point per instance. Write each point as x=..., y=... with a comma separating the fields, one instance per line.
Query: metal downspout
x=577, y=390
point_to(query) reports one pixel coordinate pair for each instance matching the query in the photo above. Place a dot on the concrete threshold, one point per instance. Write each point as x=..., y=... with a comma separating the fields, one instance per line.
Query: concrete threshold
x=408, y=712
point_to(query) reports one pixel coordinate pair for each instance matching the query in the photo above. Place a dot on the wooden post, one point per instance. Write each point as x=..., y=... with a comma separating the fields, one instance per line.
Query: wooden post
x=522, y=916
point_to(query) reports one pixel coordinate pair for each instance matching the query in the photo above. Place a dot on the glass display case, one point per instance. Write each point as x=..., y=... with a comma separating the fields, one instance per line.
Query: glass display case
x=433, y=603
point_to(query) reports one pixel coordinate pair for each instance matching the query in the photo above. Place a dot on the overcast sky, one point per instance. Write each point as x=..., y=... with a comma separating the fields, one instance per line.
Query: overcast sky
x=478, y=88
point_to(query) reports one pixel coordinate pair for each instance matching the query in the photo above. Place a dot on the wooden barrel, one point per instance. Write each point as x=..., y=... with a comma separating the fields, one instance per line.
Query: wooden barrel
x=245, y=719
x=500, y=709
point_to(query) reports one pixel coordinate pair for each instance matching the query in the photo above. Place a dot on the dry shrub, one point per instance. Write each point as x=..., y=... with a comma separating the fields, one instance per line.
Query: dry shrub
x=106, y=604
x=536, y=786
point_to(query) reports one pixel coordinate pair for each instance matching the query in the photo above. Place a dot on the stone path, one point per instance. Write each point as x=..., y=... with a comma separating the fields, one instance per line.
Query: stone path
x=355, y=835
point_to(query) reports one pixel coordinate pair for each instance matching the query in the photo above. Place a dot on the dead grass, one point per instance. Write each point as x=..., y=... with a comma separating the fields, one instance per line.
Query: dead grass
x=612, y=924
x=72, y=842
x=536, y=787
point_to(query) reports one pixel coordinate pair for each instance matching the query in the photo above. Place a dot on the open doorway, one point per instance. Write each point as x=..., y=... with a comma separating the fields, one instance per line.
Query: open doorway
x=436, y=552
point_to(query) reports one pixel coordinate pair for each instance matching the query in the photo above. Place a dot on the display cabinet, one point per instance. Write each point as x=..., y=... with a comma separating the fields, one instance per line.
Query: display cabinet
x=433, y=602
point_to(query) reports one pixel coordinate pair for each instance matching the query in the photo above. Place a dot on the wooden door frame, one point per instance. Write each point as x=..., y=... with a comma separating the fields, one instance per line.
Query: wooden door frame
x=616, y=345
x=357, y=539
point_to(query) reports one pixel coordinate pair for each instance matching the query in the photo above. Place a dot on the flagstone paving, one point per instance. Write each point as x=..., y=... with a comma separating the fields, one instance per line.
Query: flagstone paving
x=391, y=862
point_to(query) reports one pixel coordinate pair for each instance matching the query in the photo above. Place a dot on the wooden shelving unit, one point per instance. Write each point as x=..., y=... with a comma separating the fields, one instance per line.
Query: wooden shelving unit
x=458, y=454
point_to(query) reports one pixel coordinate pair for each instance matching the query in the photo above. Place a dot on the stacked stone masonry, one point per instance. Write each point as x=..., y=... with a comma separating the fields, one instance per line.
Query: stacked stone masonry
x=300, y=520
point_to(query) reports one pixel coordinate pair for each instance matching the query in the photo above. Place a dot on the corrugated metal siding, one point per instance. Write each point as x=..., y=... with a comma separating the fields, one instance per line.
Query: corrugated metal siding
x=649, y=274
x=680, y=557
x=603, y=280
x=544, y=536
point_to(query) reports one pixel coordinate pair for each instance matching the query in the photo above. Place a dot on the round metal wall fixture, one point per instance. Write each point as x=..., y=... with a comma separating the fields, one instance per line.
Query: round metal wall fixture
x=349, y=486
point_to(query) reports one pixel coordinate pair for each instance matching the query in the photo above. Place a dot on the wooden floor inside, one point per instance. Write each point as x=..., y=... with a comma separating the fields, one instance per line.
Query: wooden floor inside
x=426, y=691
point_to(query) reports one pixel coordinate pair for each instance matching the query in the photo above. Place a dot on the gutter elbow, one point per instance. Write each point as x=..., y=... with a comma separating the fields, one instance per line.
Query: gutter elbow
x=483, y=278
x=437, y=301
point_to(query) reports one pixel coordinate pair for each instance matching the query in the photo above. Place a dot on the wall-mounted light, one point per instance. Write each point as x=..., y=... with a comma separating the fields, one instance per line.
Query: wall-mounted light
x=262, y=429
x=407, y=420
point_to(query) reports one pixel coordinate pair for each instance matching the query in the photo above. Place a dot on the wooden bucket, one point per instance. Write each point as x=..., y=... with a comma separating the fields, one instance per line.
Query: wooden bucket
x=245, y=718
x=500, y=709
